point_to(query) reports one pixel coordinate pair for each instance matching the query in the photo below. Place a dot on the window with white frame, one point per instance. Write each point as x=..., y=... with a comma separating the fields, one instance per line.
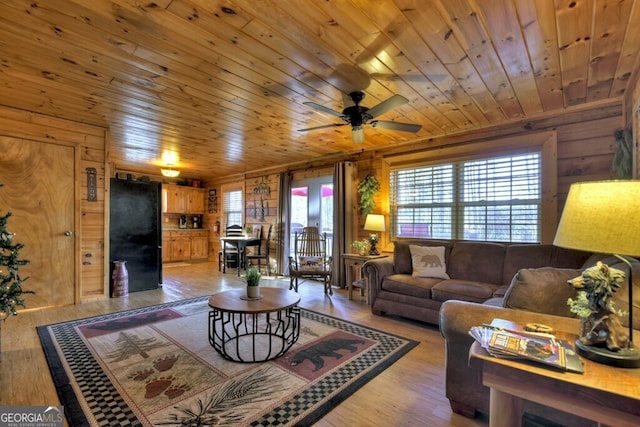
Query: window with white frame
x=233, y=205
x=492, y=199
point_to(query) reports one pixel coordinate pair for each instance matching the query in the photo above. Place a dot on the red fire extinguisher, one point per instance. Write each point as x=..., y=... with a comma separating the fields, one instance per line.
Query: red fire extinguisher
x=216, y=227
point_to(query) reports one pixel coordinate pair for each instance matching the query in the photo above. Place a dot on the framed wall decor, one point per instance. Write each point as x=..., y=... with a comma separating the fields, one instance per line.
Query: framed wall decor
x=213, y=201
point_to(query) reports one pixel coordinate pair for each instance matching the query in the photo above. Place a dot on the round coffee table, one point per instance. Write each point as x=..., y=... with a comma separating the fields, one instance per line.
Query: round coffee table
x=245, y=330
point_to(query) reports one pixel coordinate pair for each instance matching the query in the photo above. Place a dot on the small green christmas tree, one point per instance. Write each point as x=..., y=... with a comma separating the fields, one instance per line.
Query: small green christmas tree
x=10, y=281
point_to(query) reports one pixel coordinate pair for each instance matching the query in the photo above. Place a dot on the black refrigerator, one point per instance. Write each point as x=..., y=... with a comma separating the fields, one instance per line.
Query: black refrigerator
x=135, y=233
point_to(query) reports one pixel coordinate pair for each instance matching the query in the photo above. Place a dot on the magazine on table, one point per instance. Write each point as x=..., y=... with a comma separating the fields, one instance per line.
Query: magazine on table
x=503, y=339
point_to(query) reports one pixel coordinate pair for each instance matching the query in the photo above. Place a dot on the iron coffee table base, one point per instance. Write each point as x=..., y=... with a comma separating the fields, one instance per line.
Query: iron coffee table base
x=253, y=337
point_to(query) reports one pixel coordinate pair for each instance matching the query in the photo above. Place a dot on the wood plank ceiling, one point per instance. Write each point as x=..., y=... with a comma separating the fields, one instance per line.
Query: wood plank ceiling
x=222, y=83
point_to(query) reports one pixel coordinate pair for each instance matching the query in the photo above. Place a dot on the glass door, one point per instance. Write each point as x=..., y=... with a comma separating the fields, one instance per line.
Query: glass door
x=312, y=205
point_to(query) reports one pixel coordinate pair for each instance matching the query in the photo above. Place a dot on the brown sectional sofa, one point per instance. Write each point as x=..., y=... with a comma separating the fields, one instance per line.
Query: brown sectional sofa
x=478, y=271
x=532, y=288
x=535, y=296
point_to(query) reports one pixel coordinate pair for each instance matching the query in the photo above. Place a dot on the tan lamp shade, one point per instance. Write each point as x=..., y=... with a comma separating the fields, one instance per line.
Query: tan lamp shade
x=374, y=222
x=603, y=217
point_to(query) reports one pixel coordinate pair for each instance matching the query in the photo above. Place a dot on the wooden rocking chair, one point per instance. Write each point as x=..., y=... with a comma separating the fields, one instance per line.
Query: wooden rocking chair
x=310, y=260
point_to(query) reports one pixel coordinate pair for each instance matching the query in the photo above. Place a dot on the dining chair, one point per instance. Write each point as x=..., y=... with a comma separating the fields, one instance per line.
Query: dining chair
x=260, y=254
x=310, y=259
x=231, y=251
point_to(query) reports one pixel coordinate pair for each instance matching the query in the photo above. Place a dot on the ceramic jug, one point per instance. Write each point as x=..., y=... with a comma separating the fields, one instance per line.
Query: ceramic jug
x=120, y=279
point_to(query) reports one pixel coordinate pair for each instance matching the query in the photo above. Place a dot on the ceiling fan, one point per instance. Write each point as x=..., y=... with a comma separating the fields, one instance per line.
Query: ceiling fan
x=357, y=116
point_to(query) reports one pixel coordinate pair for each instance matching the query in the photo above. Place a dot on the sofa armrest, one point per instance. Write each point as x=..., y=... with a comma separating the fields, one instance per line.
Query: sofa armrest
x=375, y=271
x=463, y=383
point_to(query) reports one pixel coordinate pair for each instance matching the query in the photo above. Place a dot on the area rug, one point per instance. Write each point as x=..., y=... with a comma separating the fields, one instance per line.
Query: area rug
x=154, y=366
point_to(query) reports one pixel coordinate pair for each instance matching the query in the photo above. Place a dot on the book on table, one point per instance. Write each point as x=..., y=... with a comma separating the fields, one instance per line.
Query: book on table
x=503, y=339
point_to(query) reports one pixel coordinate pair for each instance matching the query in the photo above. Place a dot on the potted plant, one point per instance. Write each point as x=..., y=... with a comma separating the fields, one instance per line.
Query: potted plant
x=10, y=281
x=253, y=282
x=360, y=246
x=246, y=231
x=367, y=188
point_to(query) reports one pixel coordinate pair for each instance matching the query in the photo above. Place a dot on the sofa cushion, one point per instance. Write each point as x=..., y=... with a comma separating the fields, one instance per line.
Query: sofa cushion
x=542, y=290
x=477, y=262
x=463, y=290
x=531, y=255
x=402, y=253
x=405, y=284
x=428, y=261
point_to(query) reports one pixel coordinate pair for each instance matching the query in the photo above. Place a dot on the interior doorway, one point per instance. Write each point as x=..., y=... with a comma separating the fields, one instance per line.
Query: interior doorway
x=39, y=190
x=311, y=202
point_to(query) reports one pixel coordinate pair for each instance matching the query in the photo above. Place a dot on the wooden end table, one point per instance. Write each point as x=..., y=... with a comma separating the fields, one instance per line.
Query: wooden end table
x=244, y=330
x=605, y=394
x=352, y=262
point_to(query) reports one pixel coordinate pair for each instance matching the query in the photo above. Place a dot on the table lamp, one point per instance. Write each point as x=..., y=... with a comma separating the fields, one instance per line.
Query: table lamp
x=603, y=217
x=374, y=222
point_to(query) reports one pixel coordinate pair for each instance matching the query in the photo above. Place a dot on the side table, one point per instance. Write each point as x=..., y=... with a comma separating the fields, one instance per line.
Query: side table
x=352, y=262
x=605, y=394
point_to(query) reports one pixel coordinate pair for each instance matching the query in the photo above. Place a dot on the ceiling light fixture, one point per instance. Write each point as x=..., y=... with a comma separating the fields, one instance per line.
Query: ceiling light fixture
x=170, y=173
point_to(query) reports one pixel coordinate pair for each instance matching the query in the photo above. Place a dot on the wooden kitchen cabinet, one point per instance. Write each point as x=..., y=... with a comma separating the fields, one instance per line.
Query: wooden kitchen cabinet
x=180, y=246
x=173, y=200
x=183, y=200
x=185, y=245
x=166, y=247
x=195, y=200
x=199, y=244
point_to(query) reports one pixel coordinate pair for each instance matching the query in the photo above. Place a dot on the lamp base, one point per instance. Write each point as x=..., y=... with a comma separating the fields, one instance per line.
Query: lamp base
x=373, y=244
x=625, y=358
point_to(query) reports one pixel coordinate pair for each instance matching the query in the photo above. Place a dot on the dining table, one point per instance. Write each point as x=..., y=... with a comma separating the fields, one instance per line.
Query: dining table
x=240, y=243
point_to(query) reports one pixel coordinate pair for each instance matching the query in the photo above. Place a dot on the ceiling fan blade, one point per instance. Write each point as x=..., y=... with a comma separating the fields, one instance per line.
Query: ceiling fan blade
x=357, y=133
x=324, y=109
x=403, y=127
x=322, y=127
x=388, y=105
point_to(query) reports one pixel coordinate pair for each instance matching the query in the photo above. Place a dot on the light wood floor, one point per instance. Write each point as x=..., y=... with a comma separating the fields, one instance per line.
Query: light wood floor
x=410, y=392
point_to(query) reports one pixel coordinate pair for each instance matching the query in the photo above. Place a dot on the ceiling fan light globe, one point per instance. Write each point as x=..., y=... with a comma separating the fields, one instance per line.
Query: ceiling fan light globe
x=357, y=134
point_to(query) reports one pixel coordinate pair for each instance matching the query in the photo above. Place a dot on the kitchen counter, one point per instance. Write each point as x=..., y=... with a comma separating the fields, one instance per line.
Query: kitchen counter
x=175, y=228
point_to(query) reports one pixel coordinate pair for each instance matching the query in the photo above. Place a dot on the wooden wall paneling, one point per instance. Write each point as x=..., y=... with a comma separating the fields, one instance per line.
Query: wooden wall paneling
x=252, y=210
x=375, y=168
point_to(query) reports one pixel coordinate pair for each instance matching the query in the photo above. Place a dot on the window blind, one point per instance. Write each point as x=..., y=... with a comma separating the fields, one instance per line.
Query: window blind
x=495, y=199
x=232, y=208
